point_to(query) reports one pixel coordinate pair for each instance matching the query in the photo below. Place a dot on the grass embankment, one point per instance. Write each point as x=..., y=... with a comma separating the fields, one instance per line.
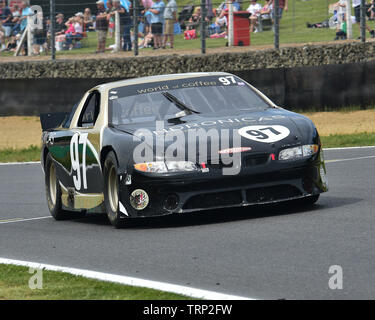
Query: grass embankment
x=20, y=136
x=14, y=285
x=292, y=30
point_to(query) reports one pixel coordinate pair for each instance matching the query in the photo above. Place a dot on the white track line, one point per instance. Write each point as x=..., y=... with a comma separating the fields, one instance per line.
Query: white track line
x=14, y=220
x=17, y=163
x=348, y=148
x=348, y=159
x=168, y=287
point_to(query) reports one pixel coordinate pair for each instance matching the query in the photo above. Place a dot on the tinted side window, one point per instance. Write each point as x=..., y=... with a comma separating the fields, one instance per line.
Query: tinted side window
x=68, y=119
x=90, y=110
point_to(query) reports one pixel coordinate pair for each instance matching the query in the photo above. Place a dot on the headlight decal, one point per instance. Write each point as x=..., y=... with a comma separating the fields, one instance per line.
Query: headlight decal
x=165, y=167
x=298, y=152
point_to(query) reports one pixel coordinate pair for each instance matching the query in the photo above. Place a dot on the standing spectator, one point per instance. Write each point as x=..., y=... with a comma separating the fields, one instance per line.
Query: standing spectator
x=25, y=13
x=283, y=6
x=125, y=21
x=357, y=12
x=111, y=22
x=157, y=11
x=16, y=14
x=147, y=4
x=6, y=21
x=101, y=26
x=170, y=17
x=371, y=9
x=88, y=21
x=40, y=36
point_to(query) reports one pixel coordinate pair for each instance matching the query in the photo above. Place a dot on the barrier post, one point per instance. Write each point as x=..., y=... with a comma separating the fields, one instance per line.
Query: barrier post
x=276, y=12
x=230, y=23
x=349, y=29
x=363, y=21
x=117, y=33
x=135, y=13
x=203, y=26
x=52, y=21
x=29, y=37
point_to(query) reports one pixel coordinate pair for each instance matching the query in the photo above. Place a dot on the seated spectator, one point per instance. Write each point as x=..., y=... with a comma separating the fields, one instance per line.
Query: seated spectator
x=60, y=26
x=75, y=30
x=196, y=16
x=255, y=10
x=13, y=42
x=147, y=41
x=61, y=37
x=220, y=24
x=223, y=6
x=341, y=30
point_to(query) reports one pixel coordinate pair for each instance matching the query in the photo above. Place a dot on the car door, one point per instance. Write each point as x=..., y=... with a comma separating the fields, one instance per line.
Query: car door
x=84, y=148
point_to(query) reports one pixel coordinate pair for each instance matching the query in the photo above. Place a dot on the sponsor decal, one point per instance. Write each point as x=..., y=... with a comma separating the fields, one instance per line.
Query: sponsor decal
x=204, y=168
x=234, y=150
x=139, y=199
x=265, y=133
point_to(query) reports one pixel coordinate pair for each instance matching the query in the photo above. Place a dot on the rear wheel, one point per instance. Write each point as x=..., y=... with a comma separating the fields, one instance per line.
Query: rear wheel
x=53, y=191
x=111, y=189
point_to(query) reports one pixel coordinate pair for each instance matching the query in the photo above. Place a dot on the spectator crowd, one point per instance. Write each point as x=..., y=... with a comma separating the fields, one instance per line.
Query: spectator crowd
x=158, y=22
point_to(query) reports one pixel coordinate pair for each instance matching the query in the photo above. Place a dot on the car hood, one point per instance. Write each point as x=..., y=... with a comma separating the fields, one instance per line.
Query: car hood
x=259, y=132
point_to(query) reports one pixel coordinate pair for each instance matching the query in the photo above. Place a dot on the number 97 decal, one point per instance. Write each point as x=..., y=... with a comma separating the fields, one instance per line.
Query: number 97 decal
x=266, y=134
x=78, y=139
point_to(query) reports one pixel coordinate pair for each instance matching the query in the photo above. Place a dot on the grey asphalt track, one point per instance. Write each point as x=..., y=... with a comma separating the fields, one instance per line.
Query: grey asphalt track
x=273, y=252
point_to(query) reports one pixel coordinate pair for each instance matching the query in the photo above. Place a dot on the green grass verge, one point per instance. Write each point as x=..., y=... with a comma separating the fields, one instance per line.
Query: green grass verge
x=348, y=140
x=14, y=285
x=31, y=153
x=333, y=141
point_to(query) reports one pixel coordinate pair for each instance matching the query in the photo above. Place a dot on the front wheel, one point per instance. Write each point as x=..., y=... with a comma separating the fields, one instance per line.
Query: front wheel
x=111, y=189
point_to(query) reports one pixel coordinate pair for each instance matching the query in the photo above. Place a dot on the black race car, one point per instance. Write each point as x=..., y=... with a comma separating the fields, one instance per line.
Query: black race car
x=175, y=144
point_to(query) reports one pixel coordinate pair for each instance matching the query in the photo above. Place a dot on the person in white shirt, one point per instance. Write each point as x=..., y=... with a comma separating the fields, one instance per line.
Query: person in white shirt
x=255, y=10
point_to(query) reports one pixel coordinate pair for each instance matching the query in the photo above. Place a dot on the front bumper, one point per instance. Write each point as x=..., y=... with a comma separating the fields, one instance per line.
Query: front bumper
x=201, y=191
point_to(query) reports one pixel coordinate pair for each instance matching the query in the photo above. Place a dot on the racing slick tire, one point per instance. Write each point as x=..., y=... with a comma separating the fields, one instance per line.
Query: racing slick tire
x=111, y=189
x=53, y=191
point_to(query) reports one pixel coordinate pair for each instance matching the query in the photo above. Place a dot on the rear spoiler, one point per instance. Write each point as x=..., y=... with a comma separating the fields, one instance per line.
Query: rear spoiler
x=52, y=120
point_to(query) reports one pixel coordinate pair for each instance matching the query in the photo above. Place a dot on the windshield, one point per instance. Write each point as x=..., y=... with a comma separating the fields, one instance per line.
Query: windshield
x=205, y=95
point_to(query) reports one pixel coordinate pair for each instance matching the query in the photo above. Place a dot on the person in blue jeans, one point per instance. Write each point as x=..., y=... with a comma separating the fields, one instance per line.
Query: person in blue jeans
x=125, y=21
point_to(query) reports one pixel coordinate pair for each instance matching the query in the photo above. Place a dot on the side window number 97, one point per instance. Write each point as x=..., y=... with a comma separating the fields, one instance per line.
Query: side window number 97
x=78, y=139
